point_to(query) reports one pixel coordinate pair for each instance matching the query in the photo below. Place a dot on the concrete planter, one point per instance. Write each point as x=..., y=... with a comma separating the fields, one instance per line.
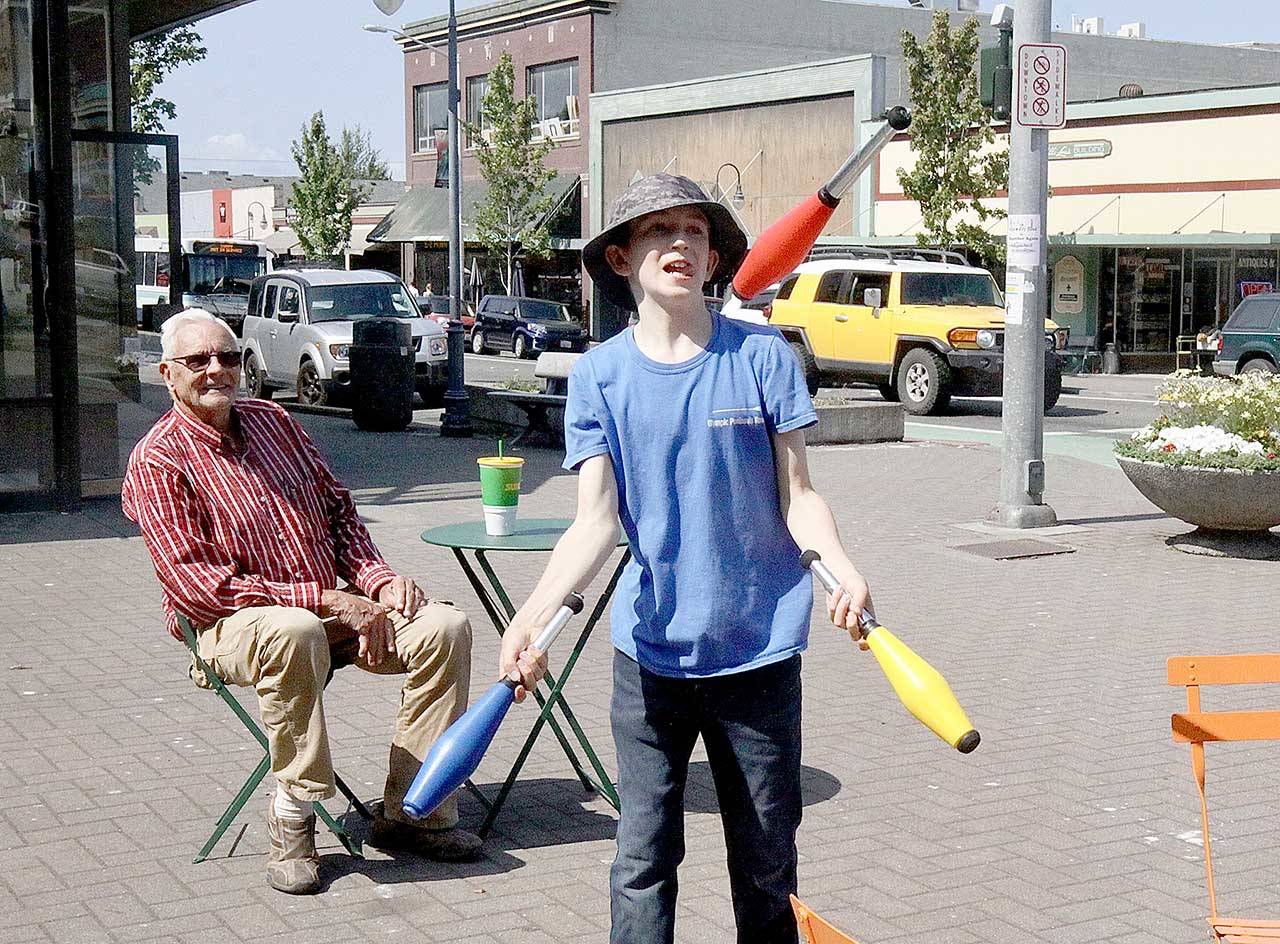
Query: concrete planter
x=856, y=422
x=1216, y=499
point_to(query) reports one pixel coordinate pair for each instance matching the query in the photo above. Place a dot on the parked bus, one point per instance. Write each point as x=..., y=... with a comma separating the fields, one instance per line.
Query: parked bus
x=151, y=271
x=213, y=274
x=216, y=274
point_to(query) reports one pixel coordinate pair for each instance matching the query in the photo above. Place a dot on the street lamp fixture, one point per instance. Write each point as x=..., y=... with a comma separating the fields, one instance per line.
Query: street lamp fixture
x=457, y=403
x=738, y=199
x=258, y=204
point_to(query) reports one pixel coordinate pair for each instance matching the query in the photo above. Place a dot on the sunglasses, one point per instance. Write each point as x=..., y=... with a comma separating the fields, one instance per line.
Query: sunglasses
x=200, y=362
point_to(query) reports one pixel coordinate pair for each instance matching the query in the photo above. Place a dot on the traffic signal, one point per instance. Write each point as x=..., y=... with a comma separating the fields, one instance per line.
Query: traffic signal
x=995, y=77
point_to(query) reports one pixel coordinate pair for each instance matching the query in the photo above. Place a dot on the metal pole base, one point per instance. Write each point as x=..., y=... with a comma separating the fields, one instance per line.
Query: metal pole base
x=1022, y=516
x=456, y=421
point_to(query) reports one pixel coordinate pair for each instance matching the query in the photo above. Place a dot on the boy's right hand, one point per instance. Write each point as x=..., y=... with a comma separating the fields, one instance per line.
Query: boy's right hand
x=518, y=661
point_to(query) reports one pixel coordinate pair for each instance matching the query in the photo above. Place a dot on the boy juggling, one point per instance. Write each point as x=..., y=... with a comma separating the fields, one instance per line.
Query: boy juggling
x=689, y=427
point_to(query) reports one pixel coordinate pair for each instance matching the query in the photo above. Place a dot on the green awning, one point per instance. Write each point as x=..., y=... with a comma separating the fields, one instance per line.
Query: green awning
x=422, y=215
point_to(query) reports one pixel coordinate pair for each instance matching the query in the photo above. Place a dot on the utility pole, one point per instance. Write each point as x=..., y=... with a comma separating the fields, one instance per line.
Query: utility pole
x=457, y=404
x=1039, y=103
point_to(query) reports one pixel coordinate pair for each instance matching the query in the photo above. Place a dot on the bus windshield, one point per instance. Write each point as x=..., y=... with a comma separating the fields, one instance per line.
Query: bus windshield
x=949, y=288
x=222, y=275
x=352, y=302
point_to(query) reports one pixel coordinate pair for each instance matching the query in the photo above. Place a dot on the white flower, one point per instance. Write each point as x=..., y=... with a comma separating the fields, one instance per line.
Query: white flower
x=1202, y=440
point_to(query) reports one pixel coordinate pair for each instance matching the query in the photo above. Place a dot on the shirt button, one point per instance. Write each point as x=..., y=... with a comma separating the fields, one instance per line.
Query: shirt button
x=298, y=574
x=280, y=535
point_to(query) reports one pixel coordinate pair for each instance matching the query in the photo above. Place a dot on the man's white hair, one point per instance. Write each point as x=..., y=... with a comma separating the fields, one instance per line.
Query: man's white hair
x=188, y=316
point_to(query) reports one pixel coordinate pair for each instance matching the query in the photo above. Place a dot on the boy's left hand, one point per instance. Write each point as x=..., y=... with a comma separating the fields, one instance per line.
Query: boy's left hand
x=848, y=601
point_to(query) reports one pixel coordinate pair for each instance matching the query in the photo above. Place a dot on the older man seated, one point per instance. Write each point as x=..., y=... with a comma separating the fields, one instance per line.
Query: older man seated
x=250, y=533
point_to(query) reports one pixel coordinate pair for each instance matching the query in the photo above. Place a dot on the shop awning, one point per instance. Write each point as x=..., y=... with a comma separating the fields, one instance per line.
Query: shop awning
x=422, y=215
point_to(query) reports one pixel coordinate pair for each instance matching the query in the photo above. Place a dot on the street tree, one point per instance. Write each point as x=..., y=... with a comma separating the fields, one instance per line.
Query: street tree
x=958, y=163
x=324, y=195
x=363, y=160
x=512, y=218
x=150, y=60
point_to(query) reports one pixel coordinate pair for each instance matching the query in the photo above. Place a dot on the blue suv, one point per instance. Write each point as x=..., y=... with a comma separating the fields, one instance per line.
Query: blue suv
x=525, y=327
x=1250, y=341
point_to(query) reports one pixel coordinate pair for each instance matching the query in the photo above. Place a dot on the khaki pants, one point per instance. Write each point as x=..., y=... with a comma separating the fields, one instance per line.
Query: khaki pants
x=285, y=654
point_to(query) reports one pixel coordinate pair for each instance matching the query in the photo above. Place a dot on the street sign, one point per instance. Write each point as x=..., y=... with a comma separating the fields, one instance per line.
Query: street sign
x=1042, y=85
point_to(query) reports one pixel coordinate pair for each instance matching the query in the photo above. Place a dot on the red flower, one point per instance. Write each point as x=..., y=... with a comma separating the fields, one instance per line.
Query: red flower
x=1169, y=447
x=1271, y=455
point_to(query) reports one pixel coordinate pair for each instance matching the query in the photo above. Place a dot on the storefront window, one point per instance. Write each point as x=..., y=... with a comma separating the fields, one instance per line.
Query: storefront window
x=1146, y=283
x=1257, y=270
x=26, y=402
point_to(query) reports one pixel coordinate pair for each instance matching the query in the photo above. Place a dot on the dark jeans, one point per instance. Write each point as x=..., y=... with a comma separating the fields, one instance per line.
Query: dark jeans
x=750, y=724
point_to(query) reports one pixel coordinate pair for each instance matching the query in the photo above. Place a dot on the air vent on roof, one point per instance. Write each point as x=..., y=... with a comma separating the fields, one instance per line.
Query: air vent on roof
x=1131, y=90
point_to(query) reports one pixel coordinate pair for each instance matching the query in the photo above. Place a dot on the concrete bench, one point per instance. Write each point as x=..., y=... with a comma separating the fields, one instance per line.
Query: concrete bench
x=540, y=429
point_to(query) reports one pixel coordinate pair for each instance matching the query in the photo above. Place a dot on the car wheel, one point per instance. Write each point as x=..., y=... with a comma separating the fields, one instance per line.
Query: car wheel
x=888, y=391
x=924, y=382
x=255, y=382
x=477, y=342
x=812, y=380
x=520, y=347
x=311, y=390
x=1052, y=386
x=1258, y=365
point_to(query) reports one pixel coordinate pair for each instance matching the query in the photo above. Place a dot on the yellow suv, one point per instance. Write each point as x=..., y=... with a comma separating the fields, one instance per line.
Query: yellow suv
x=921, y=331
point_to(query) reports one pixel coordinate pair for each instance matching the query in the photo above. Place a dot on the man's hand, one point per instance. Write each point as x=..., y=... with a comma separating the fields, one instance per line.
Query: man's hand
x=364, y=616
x=518, y=661
x=402, y=595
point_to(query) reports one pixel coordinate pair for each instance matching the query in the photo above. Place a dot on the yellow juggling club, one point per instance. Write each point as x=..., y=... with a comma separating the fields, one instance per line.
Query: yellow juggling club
x=920, y=687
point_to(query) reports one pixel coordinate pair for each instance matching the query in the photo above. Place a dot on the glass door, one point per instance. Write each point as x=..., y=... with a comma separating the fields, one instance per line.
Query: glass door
x=123, y=186
x=1210, y=288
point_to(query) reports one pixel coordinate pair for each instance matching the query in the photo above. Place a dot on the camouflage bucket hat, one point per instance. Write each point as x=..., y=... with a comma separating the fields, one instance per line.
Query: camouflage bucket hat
x=649, y=195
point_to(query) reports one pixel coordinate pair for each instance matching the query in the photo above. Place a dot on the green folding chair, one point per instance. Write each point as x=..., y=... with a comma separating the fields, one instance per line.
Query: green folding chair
x=351, y=844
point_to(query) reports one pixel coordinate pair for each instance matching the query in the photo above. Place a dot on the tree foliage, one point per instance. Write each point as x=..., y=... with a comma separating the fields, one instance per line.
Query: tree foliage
x=513, y=216
x=150, y=60
x=957, y=162
x=362, y=159
x=324, y=196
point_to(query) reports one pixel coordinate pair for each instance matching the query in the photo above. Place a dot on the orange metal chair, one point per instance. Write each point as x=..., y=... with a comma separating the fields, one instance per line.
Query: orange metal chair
x=1195, y=727
x=813, y=929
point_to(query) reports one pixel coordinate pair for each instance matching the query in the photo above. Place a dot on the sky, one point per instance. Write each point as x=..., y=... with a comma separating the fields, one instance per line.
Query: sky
x=272, y=63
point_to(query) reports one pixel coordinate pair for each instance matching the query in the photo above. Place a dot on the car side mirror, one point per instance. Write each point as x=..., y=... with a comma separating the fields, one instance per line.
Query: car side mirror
x=872, y=297
x=287, y=317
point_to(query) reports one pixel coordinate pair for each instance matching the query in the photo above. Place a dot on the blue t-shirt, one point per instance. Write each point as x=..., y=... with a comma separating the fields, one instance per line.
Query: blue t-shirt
x=715, y=585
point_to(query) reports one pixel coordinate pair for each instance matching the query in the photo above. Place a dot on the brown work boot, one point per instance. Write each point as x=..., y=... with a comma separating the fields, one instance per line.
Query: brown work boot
x=443, y=845
x=294, y=866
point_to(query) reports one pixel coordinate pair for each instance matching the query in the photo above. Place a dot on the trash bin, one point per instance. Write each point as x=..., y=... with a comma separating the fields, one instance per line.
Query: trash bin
x=1110, y=359
x=382, y=374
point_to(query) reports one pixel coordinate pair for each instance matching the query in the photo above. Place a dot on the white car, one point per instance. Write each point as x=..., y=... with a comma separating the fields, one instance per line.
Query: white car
x=755, y=310
x=298, y=331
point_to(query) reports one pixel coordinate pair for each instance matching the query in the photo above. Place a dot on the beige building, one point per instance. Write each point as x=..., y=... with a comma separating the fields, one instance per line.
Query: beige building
x=1164, y=213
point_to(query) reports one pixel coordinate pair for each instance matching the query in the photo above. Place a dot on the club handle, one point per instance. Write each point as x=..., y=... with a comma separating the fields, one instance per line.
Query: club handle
x=571, y=606
x=895, y=119
x=812, y=560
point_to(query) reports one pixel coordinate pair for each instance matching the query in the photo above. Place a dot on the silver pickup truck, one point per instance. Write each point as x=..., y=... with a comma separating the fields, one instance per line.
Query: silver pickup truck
x=297, y=333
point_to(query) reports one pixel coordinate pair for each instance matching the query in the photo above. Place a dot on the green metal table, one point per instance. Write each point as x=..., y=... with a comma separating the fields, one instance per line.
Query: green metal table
x=533, y=534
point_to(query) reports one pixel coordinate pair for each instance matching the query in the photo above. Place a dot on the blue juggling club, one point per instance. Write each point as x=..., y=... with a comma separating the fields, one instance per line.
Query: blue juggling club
x=458, y=752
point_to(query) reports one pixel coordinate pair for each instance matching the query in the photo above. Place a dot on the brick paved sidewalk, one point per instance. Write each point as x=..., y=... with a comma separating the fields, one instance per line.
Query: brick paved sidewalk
x=1074, y=822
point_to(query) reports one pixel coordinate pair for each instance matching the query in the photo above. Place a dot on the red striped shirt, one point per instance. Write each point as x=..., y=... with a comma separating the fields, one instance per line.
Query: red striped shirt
x=268, y=525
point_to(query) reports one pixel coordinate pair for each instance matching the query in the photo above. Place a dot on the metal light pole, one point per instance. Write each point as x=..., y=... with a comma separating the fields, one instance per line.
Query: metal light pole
x=457, y=403
x=1021, y=502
